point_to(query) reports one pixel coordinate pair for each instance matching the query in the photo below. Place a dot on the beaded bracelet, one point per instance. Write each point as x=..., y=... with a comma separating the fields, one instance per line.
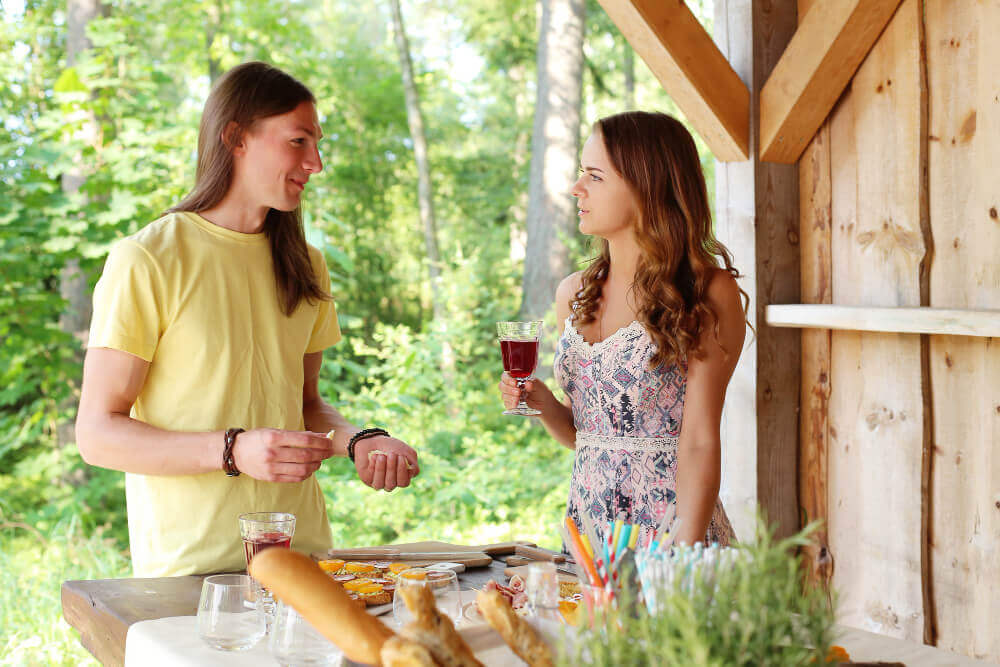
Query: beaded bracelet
x=228, y=462
x=361, y=435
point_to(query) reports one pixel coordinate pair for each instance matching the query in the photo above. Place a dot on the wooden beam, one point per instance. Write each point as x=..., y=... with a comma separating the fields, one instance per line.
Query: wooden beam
x=946, y=321
x=829, y=45
x=757, y=217
x=691, y=68
x=815, y=235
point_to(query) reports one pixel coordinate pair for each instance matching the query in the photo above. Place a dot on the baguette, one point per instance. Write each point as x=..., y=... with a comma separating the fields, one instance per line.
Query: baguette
x=435, y=630
x=295, y=579
x=399, y=652
x=523, y=639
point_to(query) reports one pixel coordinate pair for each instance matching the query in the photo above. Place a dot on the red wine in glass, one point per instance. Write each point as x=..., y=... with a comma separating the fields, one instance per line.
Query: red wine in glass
x=254, y=545
x=520, y=357
x=519, y=349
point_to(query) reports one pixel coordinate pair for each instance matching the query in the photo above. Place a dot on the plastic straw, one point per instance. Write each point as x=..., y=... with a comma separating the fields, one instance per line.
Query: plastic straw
x=581, y=556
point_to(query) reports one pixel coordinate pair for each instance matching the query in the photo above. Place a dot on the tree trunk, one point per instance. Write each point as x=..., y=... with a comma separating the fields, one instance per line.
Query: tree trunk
x=73, y=282
x=214, y=22
x=628, y=67
x=555, y=143
x=519, y=209
x=425, y=195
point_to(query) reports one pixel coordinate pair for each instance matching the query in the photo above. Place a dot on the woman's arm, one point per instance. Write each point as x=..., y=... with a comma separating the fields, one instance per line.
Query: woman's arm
x=699, y=450
x=398, y=465
x=108, y=437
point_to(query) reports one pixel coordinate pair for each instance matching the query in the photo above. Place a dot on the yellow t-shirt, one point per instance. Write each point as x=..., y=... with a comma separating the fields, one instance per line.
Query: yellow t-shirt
x=200, y=303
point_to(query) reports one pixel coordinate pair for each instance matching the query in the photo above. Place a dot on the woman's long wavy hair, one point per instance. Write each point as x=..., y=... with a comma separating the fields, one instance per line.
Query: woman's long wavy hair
x=244, y=95
x=657, y=157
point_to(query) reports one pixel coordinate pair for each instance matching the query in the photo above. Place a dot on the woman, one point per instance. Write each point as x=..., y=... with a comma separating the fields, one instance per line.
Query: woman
x=650, y=333
x=206, y=343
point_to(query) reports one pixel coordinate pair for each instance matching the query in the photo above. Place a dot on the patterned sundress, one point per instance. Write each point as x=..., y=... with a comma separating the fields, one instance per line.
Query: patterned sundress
x=628, y=419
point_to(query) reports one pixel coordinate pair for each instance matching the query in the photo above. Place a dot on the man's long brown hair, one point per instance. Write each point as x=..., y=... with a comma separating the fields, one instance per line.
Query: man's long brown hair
x=244, y=95
x=657, y=158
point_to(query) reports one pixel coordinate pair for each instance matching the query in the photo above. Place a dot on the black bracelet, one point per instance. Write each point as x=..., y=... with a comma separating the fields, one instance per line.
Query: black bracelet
x=361, y=435
x=228, y=462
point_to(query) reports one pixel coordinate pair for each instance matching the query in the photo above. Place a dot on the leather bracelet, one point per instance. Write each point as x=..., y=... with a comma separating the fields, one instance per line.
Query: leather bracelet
x=361, y=435
x=228, y=462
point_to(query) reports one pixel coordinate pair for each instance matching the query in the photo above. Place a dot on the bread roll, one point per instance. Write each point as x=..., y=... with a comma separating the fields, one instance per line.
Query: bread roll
x=519, y=635
x=399, y=652
x=435, y=630
x=295, y=579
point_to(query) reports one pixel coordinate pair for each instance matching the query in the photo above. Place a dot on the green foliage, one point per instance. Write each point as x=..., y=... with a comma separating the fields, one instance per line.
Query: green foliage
x=124, y=118
x=758, y=611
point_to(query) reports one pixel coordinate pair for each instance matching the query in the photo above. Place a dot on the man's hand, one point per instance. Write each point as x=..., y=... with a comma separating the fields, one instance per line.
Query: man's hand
x=385, y=463
x=273, y=455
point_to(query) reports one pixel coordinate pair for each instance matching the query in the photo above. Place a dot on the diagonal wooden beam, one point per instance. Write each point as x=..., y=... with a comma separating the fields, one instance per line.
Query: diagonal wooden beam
x=825, y=52
x=682, y=55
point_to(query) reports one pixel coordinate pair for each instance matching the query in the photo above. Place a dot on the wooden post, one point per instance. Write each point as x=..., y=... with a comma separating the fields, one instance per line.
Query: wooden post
x=757, y=218
x=817, y=287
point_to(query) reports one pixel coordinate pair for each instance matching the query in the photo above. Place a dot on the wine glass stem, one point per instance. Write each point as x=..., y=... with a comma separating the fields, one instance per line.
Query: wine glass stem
x=522, y=403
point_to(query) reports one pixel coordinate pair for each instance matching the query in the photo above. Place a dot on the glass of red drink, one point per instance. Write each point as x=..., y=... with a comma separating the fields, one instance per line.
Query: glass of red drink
x=264, y=530
x=519, y=348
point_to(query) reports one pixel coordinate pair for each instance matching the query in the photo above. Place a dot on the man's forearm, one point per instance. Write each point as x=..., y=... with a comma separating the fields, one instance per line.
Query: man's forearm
x=118, y=442
x=321, y=417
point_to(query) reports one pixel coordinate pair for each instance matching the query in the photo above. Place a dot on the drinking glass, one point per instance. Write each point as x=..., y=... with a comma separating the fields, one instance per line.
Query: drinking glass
x=444, y=585
x=519, y=348
x=294, y=641
x=228, y=619
x=542, y=589
x=263, y=530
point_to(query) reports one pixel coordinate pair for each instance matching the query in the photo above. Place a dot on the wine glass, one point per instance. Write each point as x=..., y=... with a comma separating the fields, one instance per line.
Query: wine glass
x=519, y=348
x=294, y=641
x=228, y=619
x=444, y=585
x=265, y=530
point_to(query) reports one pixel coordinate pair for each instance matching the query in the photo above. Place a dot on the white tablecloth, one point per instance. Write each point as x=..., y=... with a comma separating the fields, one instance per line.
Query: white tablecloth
x=174, y=642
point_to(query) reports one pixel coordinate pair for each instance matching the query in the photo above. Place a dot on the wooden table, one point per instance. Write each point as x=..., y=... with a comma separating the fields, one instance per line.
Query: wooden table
x=103, y=610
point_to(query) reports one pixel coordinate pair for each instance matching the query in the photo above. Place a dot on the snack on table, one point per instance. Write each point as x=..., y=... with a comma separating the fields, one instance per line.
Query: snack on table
x=523, y=639
x=400, y=652
x=299, y=582
x=435, y=630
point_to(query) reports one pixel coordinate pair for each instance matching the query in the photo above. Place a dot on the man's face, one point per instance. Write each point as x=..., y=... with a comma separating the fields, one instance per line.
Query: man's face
x=276, y=157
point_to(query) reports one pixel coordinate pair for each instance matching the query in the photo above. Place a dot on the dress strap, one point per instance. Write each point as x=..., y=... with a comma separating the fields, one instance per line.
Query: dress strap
x=627, y=443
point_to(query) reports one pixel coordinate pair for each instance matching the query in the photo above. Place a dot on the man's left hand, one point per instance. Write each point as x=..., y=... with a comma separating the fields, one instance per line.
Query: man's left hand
x=385, y=462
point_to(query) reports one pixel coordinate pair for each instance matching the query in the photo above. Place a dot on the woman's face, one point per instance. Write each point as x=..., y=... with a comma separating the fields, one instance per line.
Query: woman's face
x=605, y=203
x=277, y=156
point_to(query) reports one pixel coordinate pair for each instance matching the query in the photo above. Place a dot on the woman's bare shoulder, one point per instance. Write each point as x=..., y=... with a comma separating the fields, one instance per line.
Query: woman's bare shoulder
x=565, y=293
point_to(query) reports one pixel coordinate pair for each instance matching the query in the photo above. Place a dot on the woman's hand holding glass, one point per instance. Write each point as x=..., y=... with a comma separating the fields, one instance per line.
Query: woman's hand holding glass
x=536, y=393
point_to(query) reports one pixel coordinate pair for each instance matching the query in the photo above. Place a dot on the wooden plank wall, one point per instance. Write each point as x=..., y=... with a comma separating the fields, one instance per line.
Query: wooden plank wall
x=964, y=184
x=876, y=404
x=906, y=169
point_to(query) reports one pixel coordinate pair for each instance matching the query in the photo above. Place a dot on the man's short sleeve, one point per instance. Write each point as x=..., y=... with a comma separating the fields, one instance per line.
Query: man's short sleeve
x=326, y=329
x=128, y=302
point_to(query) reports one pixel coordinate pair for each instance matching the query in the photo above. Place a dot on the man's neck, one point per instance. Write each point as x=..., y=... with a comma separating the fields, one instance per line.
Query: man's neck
x=232, y=213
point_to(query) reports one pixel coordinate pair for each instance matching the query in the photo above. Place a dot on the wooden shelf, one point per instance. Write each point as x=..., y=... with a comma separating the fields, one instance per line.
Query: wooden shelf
x=945, y=321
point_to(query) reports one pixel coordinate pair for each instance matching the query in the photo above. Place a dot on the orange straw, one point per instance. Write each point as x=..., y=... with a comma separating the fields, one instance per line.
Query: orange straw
x=587, y=564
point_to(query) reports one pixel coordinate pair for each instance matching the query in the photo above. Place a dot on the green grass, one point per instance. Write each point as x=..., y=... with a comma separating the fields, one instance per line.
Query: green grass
x=32, y=568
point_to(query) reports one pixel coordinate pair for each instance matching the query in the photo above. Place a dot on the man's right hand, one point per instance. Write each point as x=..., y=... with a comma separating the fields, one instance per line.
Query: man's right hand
x=273, y=455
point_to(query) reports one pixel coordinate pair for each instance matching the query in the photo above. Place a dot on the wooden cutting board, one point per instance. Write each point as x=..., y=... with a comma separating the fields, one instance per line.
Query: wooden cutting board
x=523, y=571
x=472, y=556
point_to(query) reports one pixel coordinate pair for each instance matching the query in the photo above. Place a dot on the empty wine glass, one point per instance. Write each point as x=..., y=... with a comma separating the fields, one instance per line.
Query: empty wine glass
x=519, y=348
x=294, y=641
x=228, y=618
x=443, y=584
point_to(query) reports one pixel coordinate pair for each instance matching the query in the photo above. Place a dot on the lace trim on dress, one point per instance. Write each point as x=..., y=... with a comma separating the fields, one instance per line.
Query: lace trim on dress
x=626, y=443
x=576, y=339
